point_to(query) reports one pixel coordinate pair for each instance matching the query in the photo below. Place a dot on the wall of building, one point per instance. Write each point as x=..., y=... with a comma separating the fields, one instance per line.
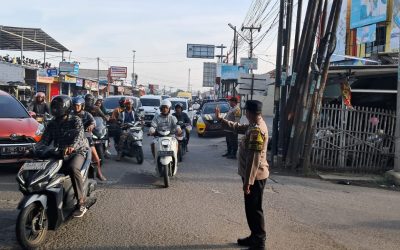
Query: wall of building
x=11, y=73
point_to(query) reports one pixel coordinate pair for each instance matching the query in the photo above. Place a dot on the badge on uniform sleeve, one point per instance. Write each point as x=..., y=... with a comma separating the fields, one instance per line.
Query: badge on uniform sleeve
x=237, y=113
x=256, y=139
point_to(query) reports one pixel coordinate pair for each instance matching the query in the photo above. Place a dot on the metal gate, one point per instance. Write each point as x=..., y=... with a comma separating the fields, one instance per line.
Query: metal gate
x=354, y=140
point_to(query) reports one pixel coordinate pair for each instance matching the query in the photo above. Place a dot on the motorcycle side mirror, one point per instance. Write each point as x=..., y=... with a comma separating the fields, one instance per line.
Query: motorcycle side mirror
x=141, y=109
x=32, y=114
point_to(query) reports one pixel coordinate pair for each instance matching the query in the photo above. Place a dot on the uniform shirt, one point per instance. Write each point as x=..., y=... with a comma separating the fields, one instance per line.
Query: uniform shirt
x=116, y=113
x=161, y=121
x=66, y=133
x=127, y=117
x=233, y=115
x=253, y=163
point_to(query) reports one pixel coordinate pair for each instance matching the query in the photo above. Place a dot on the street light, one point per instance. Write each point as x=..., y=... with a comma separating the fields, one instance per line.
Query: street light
x=133, y=68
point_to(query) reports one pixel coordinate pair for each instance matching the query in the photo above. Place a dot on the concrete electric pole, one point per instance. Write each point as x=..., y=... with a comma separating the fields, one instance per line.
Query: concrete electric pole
x=133, y=69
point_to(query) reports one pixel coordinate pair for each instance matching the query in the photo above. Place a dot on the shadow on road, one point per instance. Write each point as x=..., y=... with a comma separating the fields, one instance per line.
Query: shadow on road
x=195, y=246
x=138, y=181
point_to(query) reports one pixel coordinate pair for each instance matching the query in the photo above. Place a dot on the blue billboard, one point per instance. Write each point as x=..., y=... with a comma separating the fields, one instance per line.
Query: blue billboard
x=365, y=12
x=366, y=34
x=231, y=72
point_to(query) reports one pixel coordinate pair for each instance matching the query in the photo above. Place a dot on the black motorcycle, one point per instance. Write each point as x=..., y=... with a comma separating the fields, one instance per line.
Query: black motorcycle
x=100, y=137
x=182, y=140
x=48, y=195
x=133, y=144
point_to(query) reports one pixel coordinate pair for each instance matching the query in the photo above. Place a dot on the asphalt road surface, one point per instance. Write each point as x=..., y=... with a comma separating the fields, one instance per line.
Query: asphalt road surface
x=203, y=209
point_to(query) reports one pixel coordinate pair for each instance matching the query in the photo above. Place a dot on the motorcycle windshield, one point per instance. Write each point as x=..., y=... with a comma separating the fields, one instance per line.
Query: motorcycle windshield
x=100, y=127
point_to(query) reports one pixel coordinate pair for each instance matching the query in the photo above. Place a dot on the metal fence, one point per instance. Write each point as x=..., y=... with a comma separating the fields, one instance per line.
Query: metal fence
x=357, y=140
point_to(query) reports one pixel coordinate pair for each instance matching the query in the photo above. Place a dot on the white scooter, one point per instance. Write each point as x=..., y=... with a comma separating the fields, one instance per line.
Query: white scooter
x=166, y=153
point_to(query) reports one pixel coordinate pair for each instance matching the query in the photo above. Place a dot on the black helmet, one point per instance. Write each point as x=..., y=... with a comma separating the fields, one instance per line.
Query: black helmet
x=122, y=101
x=60, y=105
x=89, y=100
x=179, y=104
x=78, y=101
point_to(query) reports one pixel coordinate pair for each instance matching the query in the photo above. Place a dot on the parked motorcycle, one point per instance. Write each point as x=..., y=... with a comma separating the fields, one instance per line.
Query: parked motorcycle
x=182, y=140
x=166, y=154
x=100, y=137
x=48, y=195
x=133, y=145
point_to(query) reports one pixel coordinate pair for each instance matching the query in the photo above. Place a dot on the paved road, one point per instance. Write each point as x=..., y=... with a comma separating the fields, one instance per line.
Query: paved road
x=203, y=209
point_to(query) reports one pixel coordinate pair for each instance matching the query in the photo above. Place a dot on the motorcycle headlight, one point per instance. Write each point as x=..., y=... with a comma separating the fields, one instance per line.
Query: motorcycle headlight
x=165, y=142
x=40, y=129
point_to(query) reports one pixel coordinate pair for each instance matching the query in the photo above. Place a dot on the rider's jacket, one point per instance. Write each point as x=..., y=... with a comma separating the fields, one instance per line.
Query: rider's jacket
x=96, y=111
x=183, y=117
x=164, y=121
x=40, y=108
x=87, y=119
x=127, y=117
x=66, y=133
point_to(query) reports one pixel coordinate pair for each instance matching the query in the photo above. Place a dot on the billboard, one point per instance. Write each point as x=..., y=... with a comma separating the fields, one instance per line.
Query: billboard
x=117, y=72
x=340, y=49
x=250, y=63
x=395, y=33
x=200, y=51
x=366, y=34
x=364, y=12
x=68, y=67
x=231, y=72
x=209, y=74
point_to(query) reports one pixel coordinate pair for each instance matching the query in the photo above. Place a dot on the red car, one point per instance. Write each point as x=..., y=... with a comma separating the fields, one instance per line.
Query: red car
x=18, y=130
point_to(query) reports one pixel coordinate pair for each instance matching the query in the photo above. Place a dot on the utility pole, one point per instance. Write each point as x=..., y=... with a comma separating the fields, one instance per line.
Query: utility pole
x=98, y=74
x=188, y=89
x=133, y=69
x=278, y=79
x=251, y=28
x=221, y=56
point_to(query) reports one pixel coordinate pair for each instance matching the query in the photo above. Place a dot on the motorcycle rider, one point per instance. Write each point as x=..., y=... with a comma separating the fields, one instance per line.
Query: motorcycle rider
x=99, y=103
x=127, y=116
x=114, y=126
x=39, y=106
x=67, y=133
x=163, y=119
x=88, y=124
x=92, y=108
x=183, y=117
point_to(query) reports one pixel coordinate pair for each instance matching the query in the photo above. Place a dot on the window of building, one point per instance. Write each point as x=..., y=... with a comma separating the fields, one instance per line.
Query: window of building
x=379, y=44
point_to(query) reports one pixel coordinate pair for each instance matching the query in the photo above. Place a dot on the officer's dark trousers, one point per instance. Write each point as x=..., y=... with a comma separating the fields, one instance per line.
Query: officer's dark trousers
x=254, y=210
x=73, y=169
x=232, y=142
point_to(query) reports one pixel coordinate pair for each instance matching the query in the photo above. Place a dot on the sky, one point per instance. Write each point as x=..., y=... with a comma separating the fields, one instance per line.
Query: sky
x=158, y=30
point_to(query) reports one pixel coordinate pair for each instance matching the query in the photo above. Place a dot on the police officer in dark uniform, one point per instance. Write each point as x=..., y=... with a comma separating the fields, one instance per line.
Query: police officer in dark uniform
x=253, y=168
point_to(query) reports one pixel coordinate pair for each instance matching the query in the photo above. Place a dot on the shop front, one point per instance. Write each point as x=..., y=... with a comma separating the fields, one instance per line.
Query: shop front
x=66, y=82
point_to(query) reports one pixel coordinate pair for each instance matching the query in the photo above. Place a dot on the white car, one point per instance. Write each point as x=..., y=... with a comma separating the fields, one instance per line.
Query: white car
x=151, y=106
x=184, y=101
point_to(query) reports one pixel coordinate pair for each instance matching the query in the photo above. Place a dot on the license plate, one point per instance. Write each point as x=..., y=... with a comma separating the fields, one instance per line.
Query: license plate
x=13, y=150
x=215, y=126
x=37, y=165
x=166, y=153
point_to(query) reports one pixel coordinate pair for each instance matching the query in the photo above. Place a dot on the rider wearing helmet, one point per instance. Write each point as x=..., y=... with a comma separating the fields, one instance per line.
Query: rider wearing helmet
x=182, y=117
x=164, y=118
x=39, y=106
x=88, y=124
x=90, y=107
x=67, y=133
x=127, y=116
x=99, y=103
x=115, y=129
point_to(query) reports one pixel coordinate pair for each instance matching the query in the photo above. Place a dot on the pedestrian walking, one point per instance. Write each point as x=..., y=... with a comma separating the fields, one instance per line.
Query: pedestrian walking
x=253, y=168
x=233, y=115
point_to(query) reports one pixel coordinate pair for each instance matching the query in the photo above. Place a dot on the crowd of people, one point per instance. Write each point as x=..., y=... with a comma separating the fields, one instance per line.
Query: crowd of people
x=25, y=61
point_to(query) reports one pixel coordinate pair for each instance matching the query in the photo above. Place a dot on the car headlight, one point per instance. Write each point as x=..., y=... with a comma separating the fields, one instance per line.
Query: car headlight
x=40, y=129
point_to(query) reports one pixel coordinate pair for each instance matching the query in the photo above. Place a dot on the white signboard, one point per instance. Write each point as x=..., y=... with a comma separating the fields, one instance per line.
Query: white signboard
x=118, y=72
x=200, y=51
x=247, y=81
x=250, y=63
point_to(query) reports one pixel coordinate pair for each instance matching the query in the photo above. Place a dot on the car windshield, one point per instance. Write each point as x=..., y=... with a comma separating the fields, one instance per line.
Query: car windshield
x=111, y=102
x=11, y=108
x=150, y=102
x=176, y=102
x=209, y=108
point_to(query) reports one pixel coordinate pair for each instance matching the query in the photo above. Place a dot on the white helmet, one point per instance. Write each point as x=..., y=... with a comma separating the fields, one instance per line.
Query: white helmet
x=166, y=103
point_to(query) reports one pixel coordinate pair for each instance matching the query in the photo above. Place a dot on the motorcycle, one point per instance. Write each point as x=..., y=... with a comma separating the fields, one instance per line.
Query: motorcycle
x=100, y=137
x=166, y=154
x=133, y=144
x=182, y=140
x=48, y=195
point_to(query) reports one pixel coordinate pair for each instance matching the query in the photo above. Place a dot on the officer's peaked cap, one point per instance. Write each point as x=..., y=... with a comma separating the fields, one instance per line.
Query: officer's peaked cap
x=254, y=106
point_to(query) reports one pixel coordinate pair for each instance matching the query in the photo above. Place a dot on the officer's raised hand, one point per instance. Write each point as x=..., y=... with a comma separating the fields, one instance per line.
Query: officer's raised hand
x=218, y=113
